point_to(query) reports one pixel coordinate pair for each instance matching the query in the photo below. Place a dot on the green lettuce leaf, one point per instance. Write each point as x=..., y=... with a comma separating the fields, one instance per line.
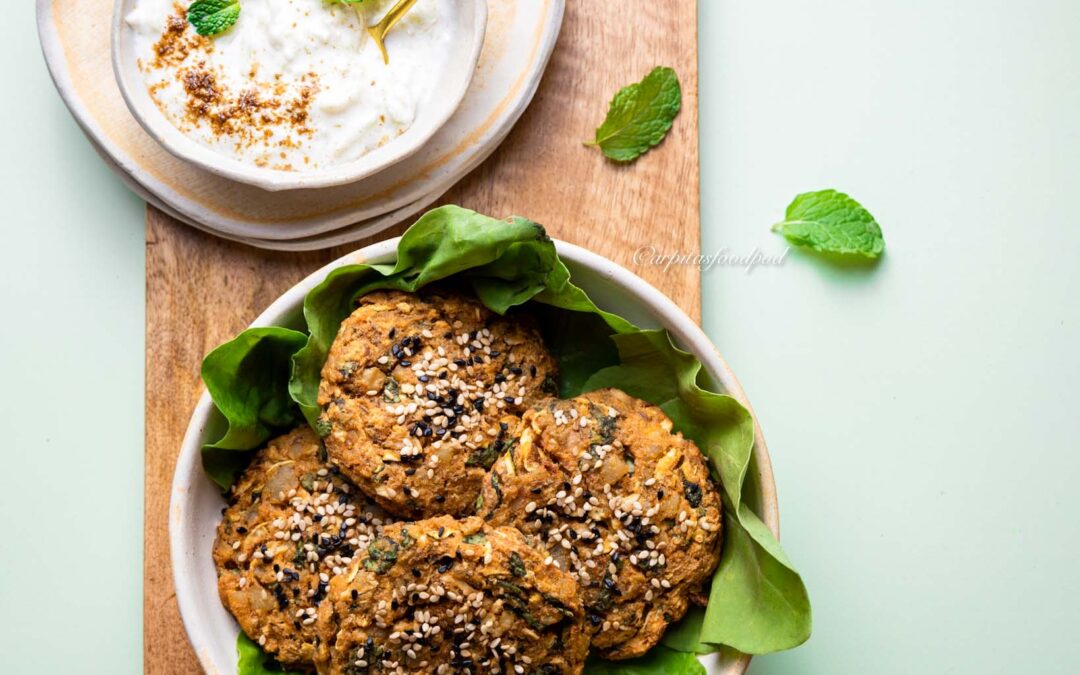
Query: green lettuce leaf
x=758, y=602
x=248, y=380
x=754, y=571
x=252, y=660
x=659, y=661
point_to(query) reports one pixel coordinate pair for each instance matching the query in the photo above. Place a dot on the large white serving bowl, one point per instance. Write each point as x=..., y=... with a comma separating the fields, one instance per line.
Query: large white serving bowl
x=456, y=72
x=196, y=502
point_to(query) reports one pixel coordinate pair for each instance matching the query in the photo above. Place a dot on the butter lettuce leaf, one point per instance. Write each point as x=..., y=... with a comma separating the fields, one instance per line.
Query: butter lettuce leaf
x=758, y=602
x=659, y=661
x=754, y=571
x=252, y=660
x=248, y=379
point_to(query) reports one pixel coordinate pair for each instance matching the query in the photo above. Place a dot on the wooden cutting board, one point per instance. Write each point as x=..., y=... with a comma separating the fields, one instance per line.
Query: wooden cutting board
x=201, y=291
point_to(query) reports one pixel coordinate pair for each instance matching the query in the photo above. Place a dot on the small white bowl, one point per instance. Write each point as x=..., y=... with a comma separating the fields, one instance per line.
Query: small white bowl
x=196, y=502
x=457, y=67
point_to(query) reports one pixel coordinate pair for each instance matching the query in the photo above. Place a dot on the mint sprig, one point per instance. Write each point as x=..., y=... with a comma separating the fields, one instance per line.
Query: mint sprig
x=211, y=17
x=640, y=116
x=831, y=222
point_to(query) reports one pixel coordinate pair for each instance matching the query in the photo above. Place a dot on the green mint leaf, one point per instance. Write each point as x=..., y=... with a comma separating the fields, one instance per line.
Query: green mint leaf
x=211, y=17
x=831, y=222
x=640, y=116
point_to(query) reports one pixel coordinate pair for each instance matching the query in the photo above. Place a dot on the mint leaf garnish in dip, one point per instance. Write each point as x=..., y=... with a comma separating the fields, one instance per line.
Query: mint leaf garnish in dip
x=211, y=17
x=831, y=222
x=640, y=116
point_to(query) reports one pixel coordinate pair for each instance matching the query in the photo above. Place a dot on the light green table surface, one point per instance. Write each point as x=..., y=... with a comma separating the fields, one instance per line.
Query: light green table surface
x=919, y=414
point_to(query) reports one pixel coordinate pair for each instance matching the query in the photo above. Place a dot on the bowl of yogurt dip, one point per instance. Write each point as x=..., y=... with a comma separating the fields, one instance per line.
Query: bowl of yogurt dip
x=296, y=94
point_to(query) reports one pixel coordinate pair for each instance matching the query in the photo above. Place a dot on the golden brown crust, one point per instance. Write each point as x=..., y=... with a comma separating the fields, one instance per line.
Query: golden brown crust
x=419, y=392
x=451, y=596
x=604, y=486
x=292, y=523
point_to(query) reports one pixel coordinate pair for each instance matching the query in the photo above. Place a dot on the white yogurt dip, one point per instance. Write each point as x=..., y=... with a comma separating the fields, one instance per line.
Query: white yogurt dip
x=294, y=85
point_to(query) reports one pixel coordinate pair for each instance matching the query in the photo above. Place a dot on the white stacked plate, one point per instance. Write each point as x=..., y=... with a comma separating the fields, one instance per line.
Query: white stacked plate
x=518, y=42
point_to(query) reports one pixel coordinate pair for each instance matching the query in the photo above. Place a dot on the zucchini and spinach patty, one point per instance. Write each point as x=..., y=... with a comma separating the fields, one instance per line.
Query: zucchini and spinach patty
x=613, y=496
x=419, y=392
x=451, y=596
x=292, y=523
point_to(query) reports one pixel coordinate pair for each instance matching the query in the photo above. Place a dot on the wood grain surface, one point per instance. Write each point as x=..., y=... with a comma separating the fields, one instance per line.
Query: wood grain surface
x=201, y=291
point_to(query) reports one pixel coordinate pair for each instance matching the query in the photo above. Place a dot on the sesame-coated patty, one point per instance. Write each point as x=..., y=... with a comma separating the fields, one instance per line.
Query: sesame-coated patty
x=419, y=393
x=447, y=596
x=614, y=497
x=291, y=524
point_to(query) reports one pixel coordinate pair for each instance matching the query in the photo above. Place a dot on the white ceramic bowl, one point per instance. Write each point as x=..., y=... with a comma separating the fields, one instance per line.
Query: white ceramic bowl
x=196, y=502
x=457, y=68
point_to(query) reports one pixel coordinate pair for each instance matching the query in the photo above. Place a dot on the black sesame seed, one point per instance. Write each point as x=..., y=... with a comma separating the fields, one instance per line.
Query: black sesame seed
x=393, y=332
x=532, y=370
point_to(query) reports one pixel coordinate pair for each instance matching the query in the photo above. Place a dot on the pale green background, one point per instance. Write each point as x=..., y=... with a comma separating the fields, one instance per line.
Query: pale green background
x=919, y=414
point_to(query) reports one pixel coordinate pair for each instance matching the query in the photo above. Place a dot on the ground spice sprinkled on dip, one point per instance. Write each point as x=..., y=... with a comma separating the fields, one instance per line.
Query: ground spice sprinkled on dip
x=295, y=85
